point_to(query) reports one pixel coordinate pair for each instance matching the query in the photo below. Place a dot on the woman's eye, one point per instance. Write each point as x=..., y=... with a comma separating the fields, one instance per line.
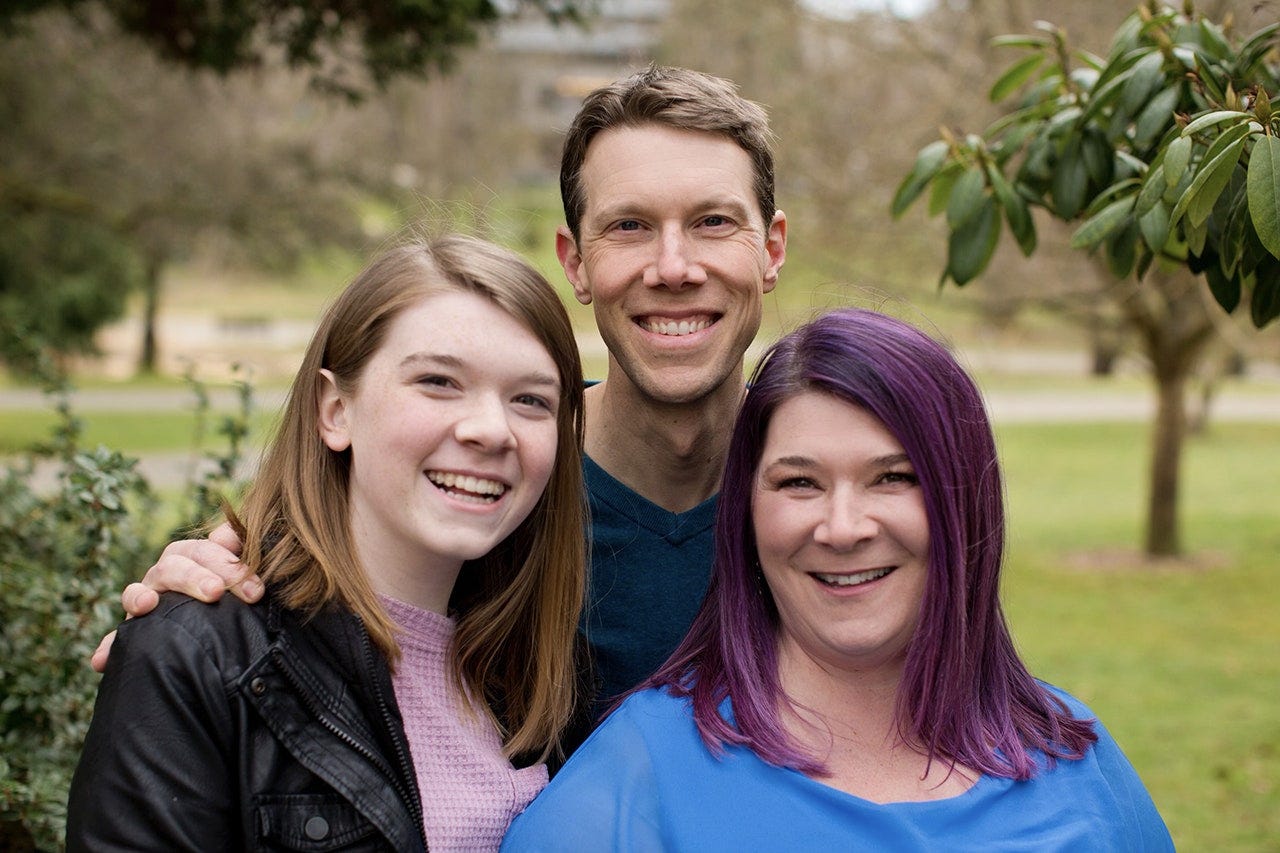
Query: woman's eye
x=906, y=477
x=435, y=381
x=796, y=483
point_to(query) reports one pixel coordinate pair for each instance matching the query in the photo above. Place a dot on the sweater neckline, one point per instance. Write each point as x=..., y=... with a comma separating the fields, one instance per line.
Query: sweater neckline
x=419, y=628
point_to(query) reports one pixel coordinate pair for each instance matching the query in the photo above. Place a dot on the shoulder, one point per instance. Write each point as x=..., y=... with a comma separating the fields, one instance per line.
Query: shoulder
x=651, y=714
x=181, y=630
x=607, y=794
x=1077, y=709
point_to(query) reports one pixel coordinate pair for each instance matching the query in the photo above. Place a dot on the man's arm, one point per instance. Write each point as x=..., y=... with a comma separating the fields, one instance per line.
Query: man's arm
x=201, y=568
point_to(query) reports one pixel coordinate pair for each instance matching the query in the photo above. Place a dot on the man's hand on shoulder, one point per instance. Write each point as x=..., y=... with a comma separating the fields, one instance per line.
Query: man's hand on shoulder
x=201, y=568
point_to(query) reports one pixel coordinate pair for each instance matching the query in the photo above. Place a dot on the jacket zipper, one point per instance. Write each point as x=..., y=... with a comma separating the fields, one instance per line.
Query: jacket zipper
x=405, y=764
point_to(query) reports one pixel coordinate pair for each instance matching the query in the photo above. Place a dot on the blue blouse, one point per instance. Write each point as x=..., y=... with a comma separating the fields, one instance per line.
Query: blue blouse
x=644, y=780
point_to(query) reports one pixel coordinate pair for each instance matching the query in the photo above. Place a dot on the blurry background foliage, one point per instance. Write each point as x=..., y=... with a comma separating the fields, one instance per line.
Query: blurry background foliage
x=1167, y=149
x=184, y=185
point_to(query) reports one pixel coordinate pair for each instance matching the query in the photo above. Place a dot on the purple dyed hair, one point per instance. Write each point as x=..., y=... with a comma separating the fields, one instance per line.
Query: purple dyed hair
x=965, y=696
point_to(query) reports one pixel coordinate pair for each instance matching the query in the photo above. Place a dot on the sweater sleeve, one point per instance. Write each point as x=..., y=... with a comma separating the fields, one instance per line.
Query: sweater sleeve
x=155, y=772
x=604, y=798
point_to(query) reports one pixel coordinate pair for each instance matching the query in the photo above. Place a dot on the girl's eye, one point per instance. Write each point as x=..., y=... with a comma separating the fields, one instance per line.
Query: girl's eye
x=906, y=477
x=435, y=381
x=534, y=401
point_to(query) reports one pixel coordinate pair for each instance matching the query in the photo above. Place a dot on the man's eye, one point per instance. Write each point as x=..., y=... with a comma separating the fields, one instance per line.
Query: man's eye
x=628, y=225
x=715, y=221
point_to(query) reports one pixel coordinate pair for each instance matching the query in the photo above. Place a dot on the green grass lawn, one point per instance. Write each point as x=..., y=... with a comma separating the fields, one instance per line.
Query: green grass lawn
x=1181, y=661
x=129, y=432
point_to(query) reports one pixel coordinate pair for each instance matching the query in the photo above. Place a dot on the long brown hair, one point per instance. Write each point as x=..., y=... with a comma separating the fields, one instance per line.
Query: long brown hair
x=516, y=607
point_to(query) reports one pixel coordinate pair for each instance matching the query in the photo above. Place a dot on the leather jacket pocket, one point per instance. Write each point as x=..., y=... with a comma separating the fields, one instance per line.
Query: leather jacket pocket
x=313, y=822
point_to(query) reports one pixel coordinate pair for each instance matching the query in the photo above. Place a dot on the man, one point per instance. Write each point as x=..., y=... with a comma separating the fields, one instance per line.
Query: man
x=672, y=236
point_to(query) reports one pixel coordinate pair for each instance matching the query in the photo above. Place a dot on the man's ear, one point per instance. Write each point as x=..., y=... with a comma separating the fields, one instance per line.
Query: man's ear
x=775, y=244
x=571, y=261
x=332, y=414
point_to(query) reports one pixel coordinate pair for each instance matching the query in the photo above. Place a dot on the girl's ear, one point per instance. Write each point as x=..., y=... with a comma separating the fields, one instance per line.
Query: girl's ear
x=332, y=417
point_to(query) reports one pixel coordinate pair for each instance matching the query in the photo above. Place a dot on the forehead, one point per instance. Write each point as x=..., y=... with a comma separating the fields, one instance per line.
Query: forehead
x=821, y=423
x=653, y=157
x=462, y=323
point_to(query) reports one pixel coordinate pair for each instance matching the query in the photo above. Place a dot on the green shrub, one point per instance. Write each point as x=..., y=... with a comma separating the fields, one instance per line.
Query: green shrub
x=67, y=551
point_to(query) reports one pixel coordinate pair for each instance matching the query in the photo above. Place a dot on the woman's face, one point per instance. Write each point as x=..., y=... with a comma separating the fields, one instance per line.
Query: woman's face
x=452, y=431
x=841, y=532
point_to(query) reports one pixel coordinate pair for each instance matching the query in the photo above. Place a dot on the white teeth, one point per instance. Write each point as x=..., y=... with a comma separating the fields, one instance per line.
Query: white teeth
x=676, y=328
x=472, y=489
x=854, y=579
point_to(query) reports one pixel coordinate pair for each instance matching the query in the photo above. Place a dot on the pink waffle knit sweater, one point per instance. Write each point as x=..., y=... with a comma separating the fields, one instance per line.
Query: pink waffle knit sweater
x=470, y=792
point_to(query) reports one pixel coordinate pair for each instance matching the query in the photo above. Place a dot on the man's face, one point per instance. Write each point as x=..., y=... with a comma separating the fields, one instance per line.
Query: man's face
x=673, y=257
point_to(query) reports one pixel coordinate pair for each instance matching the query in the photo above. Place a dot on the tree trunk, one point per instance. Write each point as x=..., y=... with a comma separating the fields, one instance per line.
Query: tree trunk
x=1163, y=534
x=150, y=312
x=1171, y=320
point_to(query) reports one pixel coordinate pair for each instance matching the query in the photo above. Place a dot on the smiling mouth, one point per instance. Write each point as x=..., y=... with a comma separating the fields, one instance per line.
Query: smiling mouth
x=475, y=490
x=854, y=579
x=675, y=328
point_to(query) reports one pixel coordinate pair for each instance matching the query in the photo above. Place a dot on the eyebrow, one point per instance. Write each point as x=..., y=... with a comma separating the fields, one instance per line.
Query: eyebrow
x=626, y=208
x=886, y=461
x=423, y=359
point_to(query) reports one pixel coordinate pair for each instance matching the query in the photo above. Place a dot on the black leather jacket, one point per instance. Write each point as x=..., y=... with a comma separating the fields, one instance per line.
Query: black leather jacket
x=237, y=727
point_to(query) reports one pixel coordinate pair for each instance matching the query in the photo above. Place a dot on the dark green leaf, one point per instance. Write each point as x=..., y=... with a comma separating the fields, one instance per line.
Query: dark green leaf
x=1176, y=158
x=1020, y=41
x=970, y=246
x=1104, y=93
x=1210, y=119
x=1016, y=212
x=1195, y=236
x=1099, y=227
x=1213, y=40
x=943, y=182
x=1070, y=185
x=1212, y=177
x=1231, y=243
x=1212, y=180
x=1156, y=116
x=1154, y=225
x=928, y=162
x=1122, y=248
x=1141, y=82
x=967, y=197
x=1225, y=288
x=1153, y=188
x=1256, y=47
x=1015, y=77
x=1264, y=192
x=1264, y=306
x=1098, y=158
x=1145, y=257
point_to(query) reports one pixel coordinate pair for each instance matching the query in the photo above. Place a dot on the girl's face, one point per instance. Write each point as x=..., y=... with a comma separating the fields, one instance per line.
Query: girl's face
x=452, y=431
x=842, y=534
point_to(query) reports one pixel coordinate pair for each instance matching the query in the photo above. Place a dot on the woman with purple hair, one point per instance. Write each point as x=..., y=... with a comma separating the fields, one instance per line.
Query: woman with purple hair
x=850, y=681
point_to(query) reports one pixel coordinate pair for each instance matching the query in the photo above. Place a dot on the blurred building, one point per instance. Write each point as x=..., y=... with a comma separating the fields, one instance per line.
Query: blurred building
x=561, y=63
